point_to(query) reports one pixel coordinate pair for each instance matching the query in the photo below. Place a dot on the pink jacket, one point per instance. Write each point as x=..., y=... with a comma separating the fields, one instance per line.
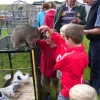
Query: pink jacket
x=49, y=18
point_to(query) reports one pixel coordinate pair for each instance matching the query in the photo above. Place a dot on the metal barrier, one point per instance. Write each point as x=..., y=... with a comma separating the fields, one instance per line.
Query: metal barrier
x=20, y=12
x=9, y=57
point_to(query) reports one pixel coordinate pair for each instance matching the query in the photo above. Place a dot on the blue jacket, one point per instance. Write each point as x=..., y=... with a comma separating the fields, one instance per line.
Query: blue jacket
x=40, y=18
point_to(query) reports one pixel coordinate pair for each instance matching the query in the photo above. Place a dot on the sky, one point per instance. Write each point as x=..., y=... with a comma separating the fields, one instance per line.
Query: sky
x=28, y=1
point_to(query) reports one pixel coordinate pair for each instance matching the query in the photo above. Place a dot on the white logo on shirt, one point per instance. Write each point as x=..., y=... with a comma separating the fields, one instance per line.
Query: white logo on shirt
x=59, y=57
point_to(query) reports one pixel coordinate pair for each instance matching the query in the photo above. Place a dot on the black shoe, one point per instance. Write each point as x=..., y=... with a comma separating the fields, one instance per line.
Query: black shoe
x=48, y=97
x=57, y=93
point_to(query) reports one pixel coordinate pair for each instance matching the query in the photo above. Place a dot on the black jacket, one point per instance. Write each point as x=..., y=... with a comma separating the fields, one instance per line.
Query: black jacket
x=91, y=21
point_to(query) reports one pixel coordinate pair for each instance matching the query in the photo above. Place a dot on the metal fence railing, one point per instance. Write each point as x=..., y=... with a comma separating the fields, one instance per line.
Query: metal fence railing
x=24, y=59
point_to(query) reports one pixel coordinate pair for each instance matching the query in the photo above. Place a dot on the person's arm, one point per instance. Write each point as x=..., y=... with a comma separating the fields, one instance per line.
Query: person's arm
x=56, y=37
x=83, y=18
x=56, y=24
x=59, y=65
x=41, y=43
x=80, y=16
x=96, y=30
x=62, y=64
x=56, y=15
x=97, y=23
x=46, y=28
x=92, y=31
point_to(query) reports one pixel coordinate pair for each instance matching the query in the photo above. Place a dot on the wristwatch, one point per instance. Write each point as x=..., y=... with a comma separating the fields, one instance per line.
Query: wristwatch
x=86, y=32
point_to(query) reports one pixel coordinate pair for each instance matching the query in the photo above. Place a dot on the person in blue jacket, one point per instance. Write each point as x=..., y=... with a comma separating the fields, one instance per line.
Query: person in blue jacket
x=41, y=14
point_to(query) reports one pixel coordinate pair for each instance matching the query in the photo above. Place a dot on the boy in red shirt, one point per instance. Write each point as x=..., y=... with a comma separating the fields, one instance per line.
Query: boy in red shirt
x=71, y=58
x=48, y=50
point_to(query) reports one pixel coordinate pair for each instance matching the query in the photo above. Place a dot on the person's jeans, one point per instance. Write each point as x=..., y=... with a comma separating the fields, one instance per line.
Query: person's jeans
x=94, y=64
x=0, y=31
x=61, y=97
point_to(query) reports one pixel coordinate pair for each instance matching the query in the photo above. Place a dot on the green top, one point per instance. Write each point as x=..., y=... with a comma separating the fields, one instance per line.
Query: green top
x=80, y=13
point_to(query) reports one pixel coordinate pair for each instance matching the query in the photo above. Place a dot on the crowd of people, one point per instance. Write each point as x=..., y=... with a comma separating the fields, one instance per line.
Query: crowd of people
x=63, y=50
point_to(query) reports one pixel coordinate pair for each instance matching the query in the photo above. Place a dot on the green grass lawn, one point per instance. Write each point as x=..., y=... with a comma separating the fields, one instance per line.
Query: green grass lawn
x=2, y=7
x=3, y=33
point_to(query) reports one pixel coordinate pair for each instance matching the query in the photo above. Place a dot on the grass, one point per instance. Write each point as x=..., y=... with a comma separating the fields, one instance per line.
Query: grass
x=3, y=33
x=2, y=7
x=87, y=70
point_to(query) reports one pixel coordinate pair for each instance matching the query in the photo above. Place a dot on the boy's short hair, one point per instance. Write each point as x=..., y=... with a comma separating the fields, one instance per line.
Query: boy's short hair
x=74, y=32
x=63, y=30
x=82, y=92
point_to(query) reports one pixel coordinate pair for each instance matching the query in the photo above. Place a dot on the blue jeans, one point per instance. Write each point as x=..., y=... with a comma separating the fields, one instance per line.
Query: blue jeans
x=61, y=97
x=94, y=64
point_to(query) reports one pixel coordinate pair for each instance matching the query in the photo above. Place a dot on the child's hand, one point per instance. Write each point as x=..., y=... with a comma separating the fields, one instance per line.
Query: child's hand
x=46, y=28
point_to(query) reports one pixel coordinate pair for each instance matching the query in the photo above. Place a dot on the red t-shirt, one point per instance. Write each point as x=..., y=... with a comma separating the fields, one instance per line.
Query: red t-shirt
x=72, y=62
x=47, y=59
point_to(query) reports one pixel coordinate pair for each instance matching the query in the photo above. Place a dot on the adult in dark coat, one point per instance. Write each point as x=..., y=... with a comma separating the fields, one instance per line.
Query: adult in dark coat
x=92, y=31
